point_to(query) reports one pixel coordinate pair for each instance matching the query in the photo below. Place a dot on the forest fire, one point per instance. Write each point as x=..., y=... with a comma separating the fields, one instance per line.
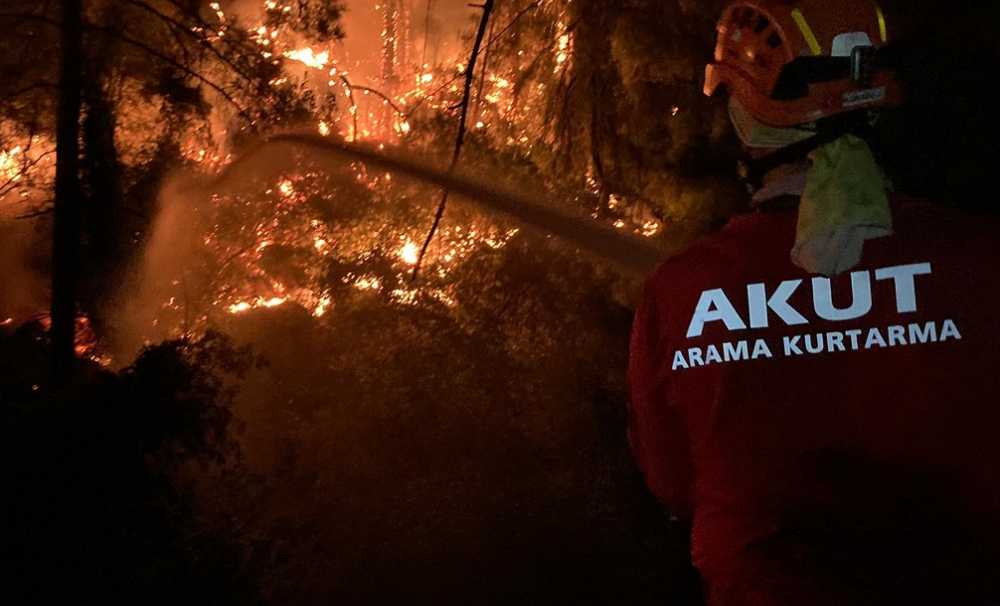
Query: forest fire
x=331, y=301
x=382, y=104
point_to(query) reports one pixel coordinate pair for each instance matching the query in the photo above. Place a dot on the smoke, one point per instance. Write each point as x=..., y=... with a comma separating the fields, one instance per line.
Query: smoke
x=169, y=260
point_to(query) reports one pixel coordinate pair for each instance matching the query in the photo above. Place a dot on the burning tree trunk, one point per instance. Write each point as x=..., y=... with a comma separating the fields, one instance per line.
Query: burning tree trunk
x=66, y=237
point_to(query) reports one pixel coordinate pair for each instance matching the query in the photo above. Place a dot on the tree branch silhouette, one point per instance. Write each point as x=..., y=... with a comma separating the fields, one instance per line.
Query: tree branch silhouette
x=470, y=70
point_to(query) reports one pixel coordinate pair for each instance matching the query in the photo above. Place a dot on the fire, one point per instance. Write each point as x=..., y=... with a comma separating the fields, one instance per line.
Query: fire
x=322, y=306
x=565, y=49
x=409, y=253
x=383, y=110
x=368, y=283
x=242, y=306
x=10, y=168
x=307, y=57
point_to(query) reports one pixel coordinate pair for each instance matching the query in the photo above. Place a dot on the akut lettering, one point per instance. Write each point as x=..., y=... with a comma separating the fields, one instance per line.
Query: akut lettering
x=714, y=305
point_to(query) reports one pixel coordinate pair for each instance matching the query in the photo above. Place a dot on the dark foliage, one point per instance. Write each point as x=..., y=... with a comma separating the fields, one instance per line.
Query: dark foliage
x=940, y=145
x=100, y=506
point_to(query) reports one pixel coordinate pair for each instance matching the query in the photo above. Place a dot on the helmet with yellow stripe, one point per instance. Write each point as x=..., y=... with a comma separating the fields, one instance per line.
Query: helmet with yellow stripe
x=789, y=63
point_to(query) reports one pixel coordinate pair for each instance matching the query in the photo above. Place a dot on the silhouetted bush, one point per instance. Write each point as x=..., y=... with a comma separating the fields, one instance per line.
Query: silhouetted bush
x=101, y=475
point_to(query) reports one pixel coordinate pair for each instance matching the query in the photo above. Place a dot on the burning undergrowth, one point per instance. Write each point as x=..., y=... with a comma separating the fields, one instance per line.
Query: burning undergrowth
x=289, y=230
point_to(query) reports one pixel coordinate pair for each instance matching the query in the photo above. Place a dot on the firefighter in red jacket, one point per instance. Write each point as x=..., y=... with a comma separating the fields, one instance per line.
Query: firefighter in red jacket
x=815, y=388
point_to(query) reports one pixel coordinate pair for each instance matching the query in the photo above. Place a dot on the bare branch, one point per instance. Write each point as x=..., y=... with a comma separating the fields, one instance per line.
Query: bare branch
x=166, y=59
x=148, y=49
x=492, y=40
x=178, y=27
x=35, y=213
x=381, y=95
x=514, y=20
x=11, y=183
x=432, y=94
x=482, y=74
x=460, y=139
x=354, y=107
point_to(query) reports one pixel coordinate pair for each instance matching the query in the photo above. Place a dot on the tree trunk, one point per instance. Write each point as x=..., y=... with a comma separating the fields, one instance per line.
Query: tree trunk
x=103, y=228
x=66, y=229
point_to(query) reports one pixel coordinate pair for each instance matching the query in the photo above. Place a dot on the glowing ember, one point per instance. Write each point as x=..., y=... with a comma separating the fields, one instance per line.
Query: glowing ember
x=240, y=307
x=565, y=48
x=324, y=128
x=9, y=166
x=307, y=57
x=368, y=283
x=243, y=306
x=322, y=306
x=650, y=228
x=410, y=253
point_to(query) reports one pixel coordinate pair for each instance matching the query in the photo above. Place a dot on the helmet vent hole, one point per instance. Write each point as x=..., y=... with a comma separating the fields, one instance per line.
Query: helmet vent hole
x=774, y=40
x=743, y=17
x=762, y=23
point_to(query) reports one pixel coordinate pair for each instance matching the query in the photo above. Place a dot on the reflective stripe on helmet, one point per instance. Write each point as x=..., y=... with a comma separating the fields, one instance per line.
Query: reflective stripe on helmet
x=882, y=30
x=807, y=32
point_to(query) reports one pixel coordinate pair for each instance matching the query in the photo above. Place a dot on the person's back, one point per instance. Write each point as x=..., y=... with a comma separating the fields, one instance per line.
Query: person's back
x=832, y=439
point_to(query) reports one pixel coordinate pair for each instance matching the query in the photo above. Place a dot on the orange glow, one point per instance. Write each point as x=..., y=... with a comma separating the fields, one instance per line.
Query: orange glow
x=307, y=57
x=322, y=306
x=410, y=253
x=10, y=168
x=243, y=306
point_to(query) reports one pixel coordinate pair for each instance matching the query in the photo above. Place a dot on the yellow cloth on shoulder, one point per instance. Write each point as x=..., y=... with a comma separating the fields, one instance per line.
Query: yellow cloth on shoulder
x=843, y=205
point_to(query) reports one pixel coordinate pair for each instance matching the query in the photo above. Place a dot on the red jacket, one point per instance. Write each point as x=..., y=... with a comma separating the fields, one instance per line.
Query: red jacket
x=769, y=404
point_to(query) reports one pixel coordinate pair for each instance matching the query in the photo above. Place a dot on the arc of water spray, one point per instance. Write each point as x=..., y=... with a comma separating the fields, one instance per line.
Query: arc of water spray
x=630, y=254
